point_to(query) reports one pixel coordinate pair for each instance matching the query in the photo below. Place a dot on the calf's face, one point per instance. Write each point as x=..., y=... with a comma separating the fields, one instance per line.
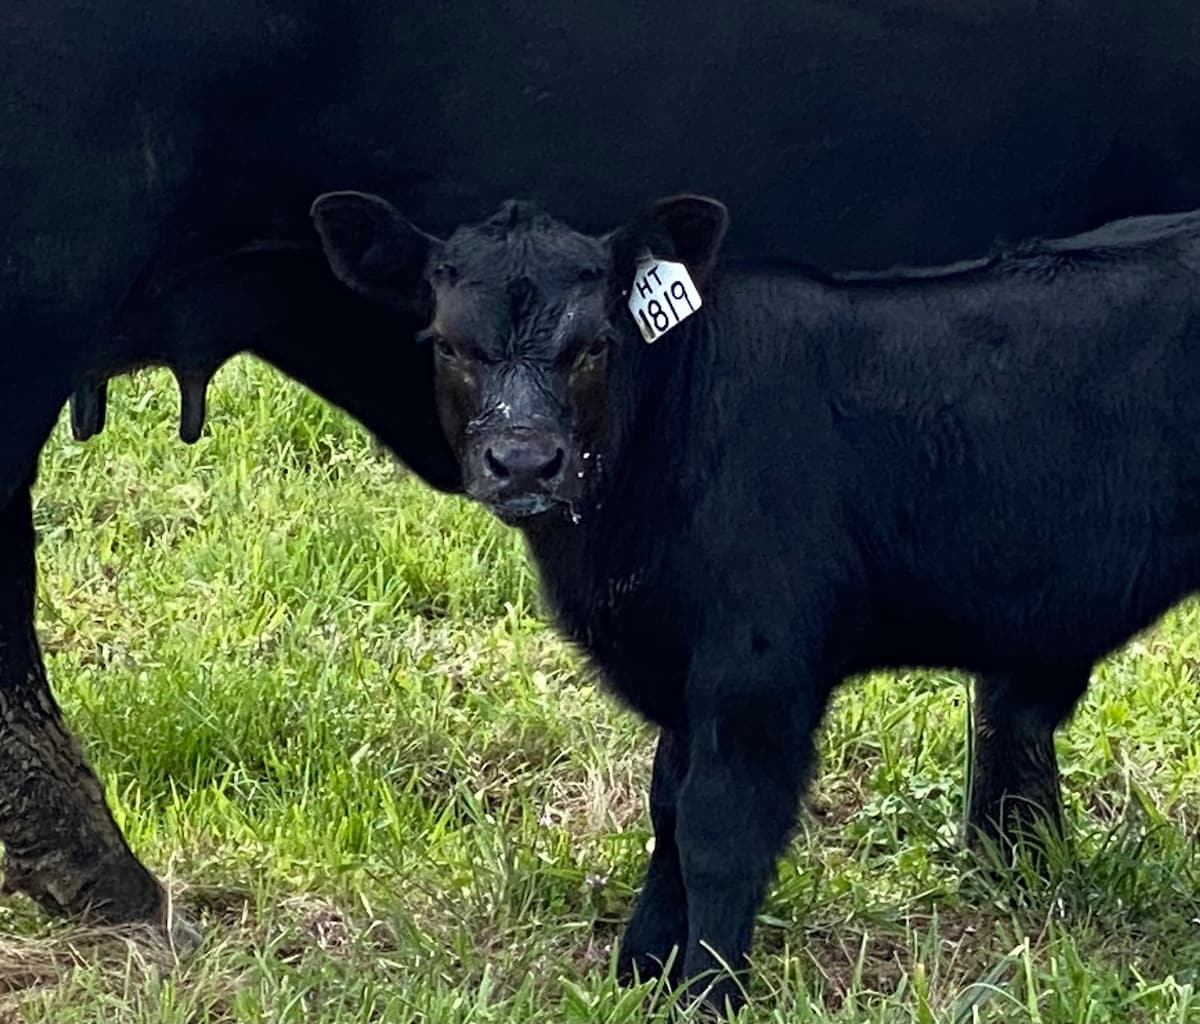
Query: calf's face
x=529, y=329
x=522, y=347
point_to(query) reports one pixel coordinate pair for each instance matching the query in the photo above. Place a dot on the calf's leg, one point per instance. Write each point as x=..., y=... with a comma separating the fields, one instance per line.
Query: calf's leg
x=62, y=847
x=748, y=757
x=1013, y=771
x=659, y=923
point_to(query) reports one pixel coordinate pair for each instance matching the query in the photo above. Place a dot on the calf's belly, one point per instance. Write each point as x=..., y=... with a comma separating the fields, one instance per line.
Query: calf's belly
x=1062, y=627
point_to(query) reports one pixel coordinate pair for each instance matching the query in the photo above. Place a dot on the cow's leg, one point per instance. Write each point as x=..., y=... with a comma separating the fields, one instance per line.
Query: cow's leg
x=1013, y=771
x=748, y=756
x=659, y=922
x=62, y=847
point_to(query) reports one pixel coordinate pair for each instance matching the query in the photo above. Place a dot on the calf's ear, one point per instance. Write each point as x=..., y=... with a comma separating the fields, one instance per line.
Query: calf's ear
x=687, y=228
x=373, y=249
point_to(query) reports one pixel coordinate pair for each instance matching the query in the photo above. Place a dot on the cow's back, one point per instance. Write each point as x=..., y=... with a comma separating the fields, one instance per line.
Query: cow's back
x=850, y=135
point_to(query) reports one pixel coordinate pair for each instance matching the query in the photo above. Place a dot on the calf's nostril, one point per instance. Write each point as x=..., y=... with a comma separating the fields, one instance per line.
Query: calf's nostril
x=495, y=466
x=552, y=468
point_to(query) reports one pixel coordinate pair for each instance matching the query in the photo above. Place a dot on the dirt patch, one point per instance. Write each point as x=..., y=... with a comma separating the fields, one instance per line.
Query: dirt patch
x=947, y=951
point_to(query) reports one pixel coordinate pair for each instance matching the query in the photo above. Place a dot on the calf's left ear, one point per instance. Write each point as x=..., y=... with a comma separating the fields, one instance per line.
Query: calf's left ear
x=685, y=228
x=373, y=249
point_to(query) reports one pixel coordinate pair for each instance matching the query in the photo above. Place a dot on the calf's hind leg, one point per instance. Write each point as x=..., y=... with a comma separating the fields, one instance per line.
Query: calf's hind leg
x=659, y=922
x=1013, y=781
x=62, y=847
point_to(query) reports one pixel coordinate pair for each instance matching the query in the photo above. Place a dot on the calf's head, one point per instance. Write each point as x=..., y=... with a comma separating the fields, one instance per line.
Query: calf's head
x=534, y=344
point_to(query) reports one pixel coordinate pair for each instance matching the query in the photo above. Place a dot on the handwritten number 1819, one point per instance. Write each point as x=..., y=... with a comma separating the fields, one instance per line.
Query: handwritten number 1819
x=658, y=321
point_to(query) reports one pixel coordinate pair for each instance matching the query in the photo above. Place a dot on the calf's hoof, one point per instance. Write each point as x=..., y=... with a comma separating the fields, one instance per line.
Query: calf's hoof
x=715, y=998
x=653, y=943
x=635, y=964
x=1018, y=830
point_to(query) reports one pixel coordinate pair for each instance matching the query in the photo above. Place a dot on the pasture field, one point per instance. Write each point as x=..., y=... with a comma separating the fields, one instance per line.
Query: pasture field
x=329, y=714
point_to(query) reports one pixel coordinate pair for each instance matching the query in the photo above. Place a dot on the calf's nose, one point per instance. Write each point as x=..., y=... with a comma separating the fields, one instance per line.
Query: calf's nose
x=525, y=462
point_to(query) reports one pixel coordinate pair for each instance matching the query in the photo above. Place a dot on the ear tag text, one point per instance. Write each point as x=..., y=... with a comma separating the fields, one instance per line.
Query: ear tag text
x=662, y=297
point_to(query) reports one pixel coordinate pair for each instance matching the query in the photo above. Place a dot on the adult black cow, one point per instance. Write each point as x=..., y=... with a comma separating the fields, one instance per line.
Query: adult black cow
x=992, y=466
x=157, y=162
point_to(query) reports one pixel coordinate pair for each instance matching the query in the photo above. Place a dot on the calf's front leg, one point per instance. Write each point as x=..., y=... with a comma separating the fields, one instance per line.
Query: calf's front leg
x=750, y=750
x=659, y=924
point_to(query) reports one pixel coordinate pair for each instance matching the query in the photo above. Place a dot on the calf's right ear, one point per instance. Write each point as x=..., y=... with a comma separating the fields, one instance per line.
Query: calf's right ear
x=374, y=249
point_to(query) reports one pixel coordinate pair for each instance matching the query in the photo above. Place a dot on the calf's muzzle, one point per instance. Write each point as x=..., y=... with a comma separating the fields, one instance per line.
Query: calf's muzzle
x=519, y=472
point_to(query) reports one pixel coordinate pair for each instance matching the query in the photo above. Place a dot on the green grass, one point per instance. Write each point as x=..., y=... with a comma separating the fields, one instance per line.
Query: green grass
x=328, y=713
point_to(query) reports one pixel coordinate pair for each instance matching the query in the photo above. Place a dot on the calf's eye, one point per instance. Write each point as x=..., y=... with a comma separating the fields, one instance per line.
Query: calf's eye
x=443, y=348
x=597, y=348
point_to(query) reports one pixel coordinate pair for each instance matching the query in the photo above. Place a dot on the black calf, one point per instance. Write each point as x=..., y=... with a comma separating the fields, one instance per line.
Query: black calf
x=993, y=466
